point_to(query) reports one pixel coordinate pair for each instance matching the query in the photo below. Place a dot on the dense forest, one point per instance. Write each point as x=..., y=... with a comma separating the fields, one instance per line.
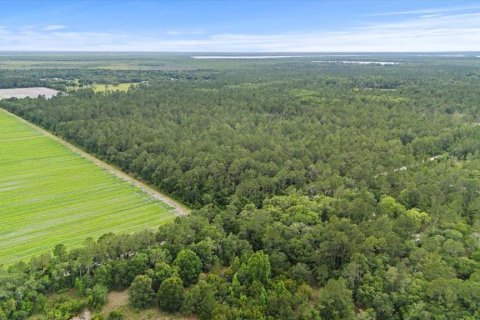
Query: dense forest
x=322, y=191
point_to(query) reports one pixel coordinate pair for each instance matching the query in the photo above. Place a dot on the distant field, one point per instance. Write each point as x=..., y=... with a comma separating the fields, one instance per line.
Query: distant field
x=33, y=92
x=97, y=87
x=109, y=87
x=51, y=195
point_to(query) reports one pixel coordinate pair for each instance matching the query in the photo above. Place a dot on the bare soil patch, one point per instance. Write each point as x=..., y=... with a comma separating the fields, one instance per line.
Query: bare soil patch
x=33, y=92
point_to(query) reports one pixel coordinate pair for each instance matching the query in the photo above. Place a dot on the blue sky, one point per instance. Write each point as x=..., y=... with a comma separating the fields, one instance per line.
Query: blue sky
x=240, y=26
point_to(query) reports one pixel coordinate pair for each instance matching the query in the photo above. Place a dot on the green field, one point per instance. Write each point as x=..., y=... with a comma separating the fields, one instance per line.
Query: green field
x=99, y=87
x=109, y=87
x=51, y=195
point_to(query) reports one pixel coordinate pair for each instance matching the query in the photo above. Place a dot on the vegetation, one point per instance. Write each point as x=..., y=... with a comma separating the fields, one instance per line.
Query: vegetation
x=322, y=191
x=51, y=195
x=106, y=88
x=112, y=87
x=170, y=294
x=189, y=266
x=140, y=292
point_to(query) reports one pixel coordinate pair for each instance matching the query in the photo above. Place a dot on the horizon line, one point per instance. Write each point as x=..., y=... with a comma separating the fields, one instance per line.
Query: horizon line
x=226, y=52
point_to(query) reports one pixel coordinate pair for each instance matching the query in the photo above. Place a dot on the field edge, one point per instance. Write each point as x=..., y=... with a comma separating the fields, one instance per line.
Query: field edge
x=179, y=209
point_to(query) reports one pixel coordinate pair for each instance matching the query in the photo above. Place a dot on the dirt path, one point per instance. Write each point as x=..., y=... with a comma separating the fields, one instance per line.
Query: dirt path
x=412, y=165
x=178, y=208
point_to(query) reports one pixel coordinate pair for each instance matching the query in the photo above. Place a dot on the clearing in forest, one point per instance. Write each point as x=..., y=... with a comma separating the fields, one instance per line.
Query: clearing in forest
x=100, y=87
x=50, y=194
x=112, y=87
x=32, y=92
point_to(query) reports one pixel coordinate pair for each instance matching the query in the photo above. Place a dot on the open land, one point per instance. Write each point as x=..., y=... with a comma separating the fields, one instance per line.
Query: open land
x=51, y=195
x=21, y=93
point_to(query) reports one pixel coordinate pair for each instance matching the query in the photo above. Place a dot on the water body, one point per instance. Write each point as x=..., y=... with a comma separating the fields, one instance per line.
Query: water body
x=278, y=56
x=382, y=63
x=440, y=55
x=248, y=57
x=321, y=55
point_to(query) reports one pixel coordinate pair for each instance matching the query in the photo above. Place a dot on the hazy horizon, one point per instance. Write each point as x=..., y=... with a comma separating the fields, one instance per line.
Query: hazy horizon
x=300, y=53
x=240, y=26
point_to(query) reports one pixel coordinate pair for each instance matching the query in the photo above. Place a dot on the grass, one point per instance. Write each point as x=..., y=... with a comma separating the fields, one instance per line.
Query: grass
x=51, y=195
x=118, y=301
x=98, y=87
x=108, y=87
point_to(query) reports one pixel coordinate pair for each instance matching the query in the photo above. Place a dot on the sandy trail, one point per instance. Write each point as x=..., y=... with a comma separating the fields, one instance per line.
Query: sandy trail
x=411, y=166
x=178, y=208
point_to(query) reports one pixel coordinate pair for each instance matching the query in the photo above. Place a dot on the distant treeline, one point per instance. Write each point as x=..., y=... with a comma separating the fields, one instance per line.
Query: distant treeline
x=62, y=78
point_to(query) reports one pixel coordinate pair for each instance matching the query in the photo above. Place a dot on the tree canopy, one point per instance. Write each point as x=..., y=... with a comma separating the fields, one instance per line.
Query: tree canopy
x=320, y=191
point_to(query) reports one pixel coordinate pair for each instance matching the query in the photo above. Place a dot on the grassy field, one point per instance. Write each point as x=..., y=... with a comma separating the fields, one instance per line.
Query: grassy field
x=109, y=87
x=118, y=301
x=98, y=87
x=51, y=195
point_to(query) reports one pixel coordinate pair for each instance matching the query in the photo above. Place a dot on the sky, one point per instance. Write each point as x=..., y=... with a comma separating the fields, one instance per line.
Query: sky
x=240, y=26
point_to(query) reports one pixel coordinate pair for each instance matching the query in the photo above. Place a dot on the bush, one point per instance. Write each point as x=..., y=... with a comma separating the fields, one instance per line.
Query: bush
x=170, y=295
x=115, y=315
x=97, y=296
x=140, y=292
x=189, y=265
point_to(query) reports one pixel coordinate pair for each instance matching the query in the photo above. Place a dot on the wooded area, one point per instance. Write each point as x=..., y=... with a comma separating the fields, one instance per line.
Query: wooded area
x=322, y=191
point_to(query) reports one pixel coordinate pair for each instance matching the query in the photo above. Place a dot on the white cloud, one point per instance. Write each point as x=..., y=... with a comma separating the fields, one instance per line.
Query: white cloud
x=453, y=32
x=431, y=15
x=53, y=27
x=429, y=11
x=173, y=32
x=194, y=32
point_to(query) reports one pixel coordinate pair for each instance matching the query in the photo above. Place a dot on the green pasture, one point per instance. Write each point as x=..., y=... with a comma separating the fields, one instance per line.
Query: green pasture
x=98, y=87
x=112, y=87
x=51, y=195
